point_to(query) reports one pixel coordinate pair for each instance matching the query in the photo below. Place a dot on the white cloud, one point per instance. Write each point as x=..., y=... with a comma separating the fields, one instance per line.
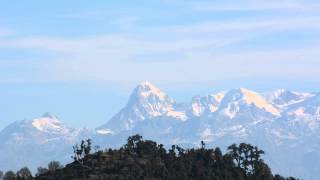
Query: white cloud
x=167, y=38
x=190, y=52
x=196, y=66
x=115, y=45
x=255, y=5
x=5, y=32
x=82, y=15
x=125, y=22
x=259, y=25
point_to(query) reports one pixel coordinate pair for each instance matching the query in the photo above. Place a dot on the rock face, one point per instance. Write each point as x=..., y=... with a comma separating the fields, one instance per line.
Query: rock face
x=284, y=123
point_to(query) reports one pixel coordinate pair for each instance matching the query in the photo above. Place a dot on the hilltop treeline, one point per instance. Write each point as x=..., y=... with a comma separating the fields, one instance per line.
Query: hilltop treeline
x=145, y=159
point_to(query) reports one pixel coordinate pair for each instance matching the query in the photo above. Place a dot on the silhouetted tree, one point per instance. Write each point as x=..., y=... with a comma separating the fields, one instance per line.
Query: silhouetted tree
x=145, y=159
x=262, y=171
x=24, y=173
x=203, y=145
x=87, y=147
x=132, y=142
x=54, y=165
x=41, y=170
x=82, y=151
x=1, y=174
x=9, y=175
x=234, y=152
x=248, y=159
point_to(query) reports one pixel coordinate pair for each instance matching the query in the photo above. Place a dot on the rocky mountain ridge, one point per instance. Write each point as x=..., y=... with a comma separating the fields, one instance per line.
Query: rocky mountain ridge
x=279, y=121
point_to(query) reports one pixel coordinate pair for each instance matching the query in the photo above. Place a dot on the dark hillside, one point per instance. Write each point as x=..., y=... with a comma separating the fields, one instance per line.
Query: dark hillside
x=145, y=159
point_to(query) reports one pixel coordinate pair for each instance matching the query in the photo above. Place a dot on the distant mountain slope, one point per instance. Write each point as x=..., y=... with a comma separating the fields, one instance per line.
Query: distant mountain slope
x=36, y=142
x=284, y=123
x=281, y=122
x=146, y=102
x=283, y=98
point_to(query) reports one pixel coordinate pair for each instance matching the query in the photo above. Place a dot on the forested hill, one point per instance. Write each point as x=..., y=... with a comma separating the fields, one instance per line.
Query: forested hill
x=145, y=159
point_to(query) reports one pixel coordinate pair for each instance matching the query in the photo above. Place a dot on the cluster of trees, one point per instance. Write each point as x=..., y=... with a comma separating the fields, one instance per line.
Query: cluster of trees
x=145, y=159
x=81, y=151
x=25, y=173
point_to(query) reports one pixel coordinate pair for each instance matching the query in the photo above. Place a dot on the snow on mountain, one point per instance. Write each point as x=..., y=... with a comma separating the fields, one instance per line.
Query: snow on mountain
x=45, y=128
x=277, y=122
x=146, y=102
x=237, y=99
x=37, y=141
x=284, y=123
x=283, y=98
x=49, y=123
x=151, y=102
x=206, y=104
x=305, y=114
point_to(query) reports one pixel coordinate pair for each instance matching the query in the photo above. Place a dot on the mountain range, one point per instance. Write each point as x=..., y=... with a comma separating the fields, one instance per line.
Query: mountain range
x=284, y=123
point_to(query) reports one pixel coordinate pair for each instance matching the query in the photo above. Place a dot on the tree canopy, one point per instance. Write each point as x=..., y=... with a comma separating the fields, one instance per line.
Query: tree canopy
x=145, y=159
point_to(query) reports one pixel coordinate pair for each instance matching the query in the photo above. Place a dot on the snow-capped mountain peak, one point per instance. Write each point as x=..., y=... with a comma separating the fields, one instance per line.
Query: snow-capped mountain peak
x=236, y=98
x=209, y=103
x=219, y=96
x=283, y=98
x=49, y=115
x=237, y=115
x=146, y=89
x=41, y=130
x=251, y=97
x=146, y=102
x=37, y=141
x=149, y=101
x=47, y=123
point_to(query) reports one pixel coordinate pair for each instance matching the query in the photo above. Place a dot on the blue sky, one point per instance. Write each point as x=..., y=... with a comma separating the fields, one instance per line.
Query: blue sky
x=81, y=60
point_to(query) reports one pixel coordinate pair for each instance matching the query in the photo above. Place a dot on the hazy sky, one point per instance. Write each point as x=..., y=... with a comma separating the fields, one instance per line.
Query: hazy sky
x=80, y=59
